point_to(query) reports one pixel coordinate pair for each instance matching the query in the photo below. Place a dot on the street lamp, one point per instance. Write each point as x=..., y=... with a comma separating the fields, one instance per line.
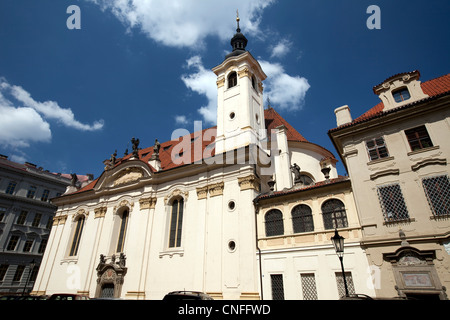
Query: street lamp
x=32, y=265
x=338, y=242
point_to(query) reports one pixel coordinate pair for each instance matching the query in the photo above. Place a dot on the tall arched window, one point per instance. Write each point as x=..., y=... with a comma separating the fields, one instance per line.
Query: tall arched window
x=122, y=231
x=232, y=79
x=77, y=236
x=334, y=215
x=302, y=219
x=274, y=223
x=176, y=223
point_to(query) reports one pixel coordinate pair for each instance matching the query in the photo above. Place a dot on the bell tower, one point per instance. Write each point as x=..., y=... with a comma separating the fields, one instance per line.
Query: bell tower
x=240, y=109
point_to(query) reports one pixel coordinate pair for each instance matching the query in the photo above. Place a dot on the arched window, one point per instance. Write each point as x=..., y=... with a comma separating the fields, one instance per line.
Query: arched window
x=274, y=223
x=254, y=82
x=77, y=236
x=302, y=219
x=232, y=79
x=305, y=180
x=334, y=215
x=122, y=231
x=176, y=222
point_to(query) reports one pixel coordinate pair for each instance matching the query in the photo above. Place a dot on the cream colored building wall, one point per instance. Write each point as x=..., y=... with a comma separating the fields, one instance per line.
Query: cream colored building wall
x=397, y=168
x=292, y=254
x=407, y=168
x=204, y=261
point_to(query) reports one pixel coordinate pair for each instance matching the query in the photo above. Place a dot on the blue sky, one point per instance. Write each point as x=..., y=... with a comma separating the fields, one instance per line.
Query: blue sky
x=70, y=97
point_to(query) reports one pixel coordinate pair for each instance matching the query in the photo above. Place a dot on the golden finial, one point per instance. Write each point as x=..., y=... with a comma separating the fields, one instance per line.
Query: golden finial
x=237, y=19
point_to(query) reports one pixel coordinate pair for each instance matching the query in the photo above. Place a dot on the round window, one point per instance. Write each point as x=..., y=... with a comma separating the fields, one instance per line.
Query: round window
x=232, y=115
x=232, y=246
x=231, y=205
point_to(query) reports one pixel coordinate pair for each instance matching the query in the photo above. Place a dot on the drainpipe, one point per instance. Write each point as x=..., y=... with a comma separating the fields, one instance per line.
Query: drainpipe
x=255, y=203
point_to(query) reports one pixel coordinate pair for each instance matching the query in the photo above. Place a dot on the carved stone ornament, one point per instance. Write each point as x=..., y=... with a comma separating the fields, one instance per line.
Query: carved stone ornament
x=216, y=189
x=128, y=175
x=100, y=212
x=406, y=77
x=249, y=182
x=220, y=82
x=244, y=73
x=81, y=212
x=176, y=193
x=147, y=203
x=124, y=203
x=60, y=219
x=202, y=192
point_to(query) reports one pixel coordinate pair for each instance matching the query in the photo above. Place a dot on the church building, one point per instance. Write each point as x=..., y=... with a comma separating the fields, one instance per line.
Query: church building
x=231, y=211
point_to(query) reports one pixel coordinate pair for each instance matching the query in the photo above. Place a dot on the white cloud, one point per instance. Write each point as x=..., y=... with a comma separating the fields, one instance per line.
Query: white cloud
x=20, y=126
x=284, y=91
x=203, y=82
x=51, y=110
x=180, y=23
x=181, y=119
x=24, y=120
x=281, y=49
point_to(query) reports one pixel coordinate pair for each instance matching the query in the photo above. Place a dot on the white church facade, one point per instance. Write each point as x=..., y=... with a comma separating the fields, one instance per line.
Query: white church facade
x=197, y=213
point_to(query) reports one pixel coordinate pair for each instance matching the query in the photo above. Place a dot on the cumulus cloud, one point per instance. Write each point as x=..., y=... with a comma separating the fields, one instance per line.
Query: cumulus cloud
x=281, y=49
x=285, y=91
x=203, y=82
x=24, y=120
x=186, y=23
x=181, y=119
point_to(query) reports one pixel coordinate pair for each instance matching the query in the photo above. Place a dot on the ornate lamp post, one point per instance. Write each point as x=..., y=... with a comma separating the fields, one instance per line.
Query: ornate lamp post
x=338, y=242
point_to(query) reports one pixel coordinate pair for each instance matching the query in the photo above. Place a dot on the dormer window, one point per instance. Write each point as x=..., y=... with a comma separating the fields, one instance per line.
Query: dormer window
x=232, y=79
x=401, y=95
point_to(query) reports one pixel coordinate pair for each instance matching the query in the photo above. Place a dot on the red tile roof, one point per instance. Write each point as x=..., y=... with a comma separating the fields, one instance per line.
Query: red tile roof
x=274, y=120
x=199, y=144
x=294, y=190
x=432, y=88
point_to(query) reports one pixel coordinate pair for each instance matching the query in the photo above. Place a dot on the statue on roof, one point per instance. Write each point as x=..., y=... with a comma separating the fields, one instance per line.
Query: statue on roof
x=112, y=160
x=156, y=148
x=74, y=179
x=296, y=171
x=135, y=145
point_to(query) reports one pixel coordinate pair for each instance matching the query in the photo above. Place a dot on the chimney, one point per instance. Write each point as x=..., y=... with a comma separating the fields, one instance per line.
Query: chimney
x=343, y=115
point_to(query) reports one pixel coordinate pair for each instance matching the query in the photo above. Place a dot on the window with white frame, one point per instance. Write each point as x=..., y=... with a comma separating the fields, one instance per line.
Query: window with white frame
x=122, y=230
x=437, y=190
x=79, y=224
x=376, y=148
x=392, y=203
x=176, y=223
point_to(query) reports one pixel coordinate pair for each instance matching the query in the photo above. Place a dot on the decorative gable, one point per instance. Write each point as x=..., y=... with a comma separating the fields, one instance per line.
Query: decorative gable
x=400, y=89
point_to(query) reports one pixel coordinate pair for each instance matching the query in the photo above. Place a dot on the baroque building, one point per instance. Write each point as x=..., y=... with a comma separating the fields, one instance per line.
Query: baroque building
x=397, y=157
x=26, y=217
x=202, y=212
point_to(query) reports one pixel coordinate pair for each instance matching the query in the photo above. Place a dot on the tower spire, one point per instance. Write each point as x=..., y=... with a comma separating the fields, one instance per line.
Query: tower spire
x=237, y=20
x=239, y=41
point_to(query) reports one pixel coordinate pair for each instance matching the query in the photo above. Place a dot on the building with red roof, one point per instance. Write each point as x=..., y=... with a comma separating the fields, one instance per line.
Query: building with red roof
x=210, y=210
x=397, y=156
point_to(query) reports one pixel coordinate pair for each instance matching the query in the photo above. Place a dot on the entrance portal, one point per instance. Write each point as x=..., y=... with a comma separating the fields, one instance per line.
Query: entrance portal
x=107, y=291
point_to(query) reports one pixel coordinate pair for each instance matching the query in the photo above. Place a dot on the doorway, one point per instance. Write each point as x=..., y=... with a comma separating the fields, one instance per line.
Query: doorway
x=107, y=290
